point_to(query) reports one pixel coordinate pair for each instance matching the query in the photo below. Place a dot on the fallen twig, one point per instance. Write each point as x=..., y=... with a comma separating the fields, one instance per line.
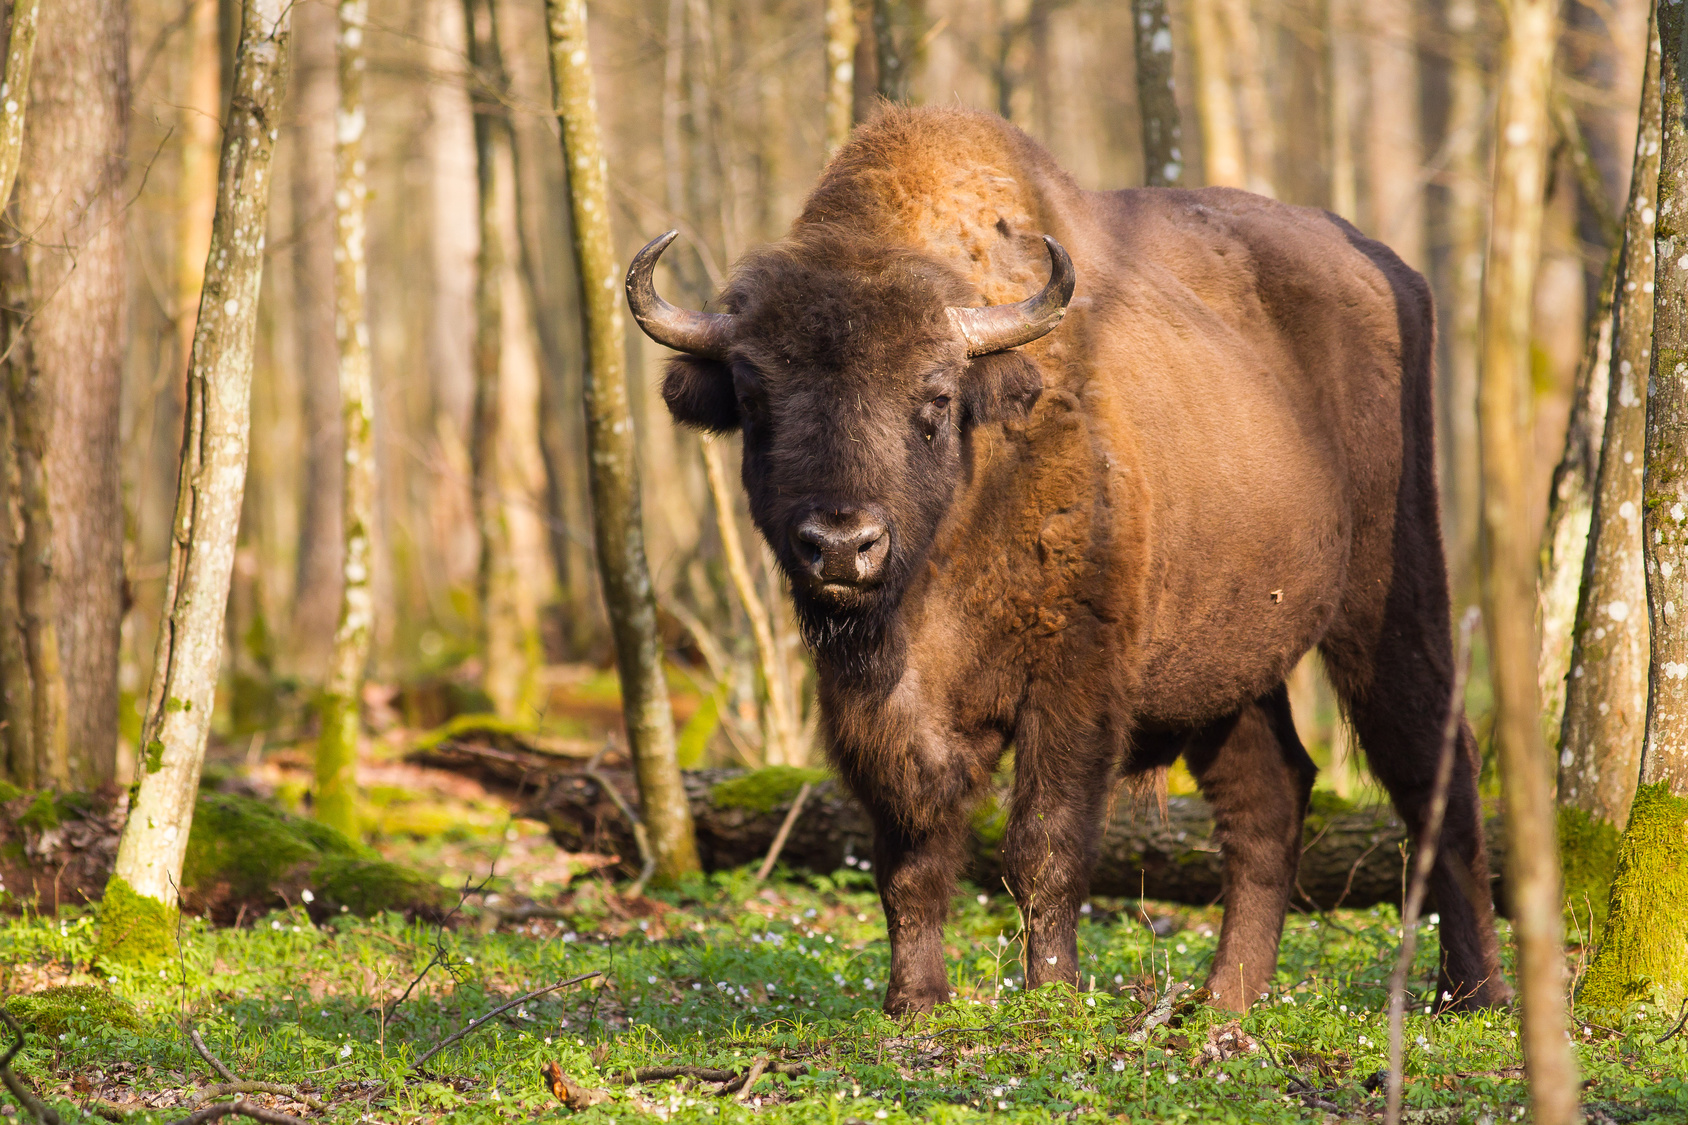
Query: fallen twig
x=1677, y=1030
x=211, y=1060
x=476, y=1024
x=1426, y=861
x=778, y=845
x=43, y=1113
x=705, y=1073
x=234, y=1084
x=241, y=1108
x=1160, y=1013
x=750, y=1079
x=224, y=1089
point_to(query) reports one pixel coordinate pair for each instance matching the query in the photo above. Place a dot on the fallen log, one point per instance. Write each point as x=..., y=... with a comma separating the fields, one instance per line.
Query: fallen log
x=1353, y=856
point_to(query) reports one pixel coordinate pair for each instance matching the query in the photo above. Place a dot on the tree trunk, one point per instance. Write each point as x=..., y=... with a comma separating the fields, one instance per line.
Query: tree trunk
x=1157, y=96
x=71, y=203
x=1508, y=554
x=865, y=85
x=1347, y=96
x=141, y=898
x=1222, y=142
x=17, y=696
x=1606, y=692
x=1394, y=138
x=1570, y=507
x=196, y=193
x=613, y=457
x=316, y=584
x=896, y=35
x=1353, y=856
x=1642, y=950
x=505, y=644
x=337, y=745
x=840, y=72
x=1466, y=206
x=1247, y=67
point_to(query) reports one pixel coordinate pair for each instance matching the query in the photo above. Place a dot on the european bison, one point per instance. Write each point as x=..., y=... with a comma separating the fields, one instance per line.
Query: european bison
x=1100, y=522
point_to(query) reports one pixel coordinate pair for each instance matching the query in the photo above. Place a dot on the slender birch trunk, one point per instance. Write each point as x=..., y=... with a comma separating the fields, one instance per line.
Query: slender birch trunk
x=1157, y=96
x=1258, y=132
x=1222, y=142
x=1394, y=135
x=17, y=693
x=896, y=26
x=141, y=897
x=1467, y=214
x=196, y=193
x=1522, y=135
x=1606, y=692
x=316, y=581
x=613, y=458
x=1570, y=507
x=1347, y=85
x=505, y=646
x=337, y=746
x=840, y=72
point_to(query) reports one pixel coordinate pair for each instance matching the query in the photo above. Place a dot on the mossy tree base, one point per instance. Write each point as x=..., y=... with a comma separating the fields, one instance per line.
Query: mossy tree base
x=134, y=930
x=53, y=1011
x=1642, y=952
x=1588, y=857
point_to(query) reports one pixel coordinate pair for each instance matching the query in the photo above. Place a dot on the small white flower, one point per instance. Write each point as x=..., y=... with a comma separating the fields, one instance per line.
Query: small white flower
x=1119, y=1065
x=1172, y=1080
x=983, y=899
x=1052, y=960
x=307, y=896
x=346, y=1051
x=468, y=960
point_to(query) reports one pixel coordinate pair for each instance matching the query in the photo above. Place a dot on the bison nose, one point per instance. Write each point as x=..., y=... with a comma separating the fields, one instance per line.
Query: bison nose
x=842, y=547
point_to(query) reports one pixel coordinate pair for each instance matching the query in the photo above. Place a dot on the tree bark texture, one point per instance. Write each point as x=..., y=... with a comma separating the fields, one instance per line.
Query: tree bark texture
x=213, y=471
x=317, y=567
x=896, y=36
x=1246, y=64
x=1157, y=95
x=196, y=193
x=1570, y=508
x=504, y=645
x=70, y=201
x=1606, y=692
x=1465, y=218
x=1665, y=478
x=1508, y=554
x=840, y=72
x=1222, y=142
x=16, y=690
x=337, y=745
x=616, y=518
x=1394, y=136
x=1353, y=857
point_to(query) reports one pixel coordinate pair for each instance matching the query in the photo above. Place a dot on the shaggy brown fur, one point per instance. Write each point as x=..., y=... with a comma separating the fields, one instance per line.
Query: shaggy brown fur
x=1110, y=546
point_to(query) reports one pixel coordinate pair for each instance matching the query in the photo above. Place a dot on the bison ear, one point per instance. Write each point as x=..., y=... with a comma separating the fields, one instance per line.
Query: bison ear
x=999, y=386
x=699, y=393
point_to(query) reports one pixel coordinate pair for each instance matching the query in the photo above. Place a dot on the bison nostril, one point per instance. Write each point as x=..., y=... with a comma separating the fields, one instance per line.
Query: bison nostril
x=840, y=547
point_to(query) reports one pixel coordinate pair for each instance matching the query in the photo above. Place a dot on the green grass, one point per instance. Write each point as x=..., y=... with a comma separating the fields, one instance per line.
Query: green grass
x=729, y=971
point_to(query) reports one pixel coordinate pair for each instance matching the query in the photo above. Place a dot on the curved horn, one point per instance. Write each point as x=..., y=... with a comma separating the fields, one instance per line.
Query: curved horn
x=700, y=333
x=996, y=328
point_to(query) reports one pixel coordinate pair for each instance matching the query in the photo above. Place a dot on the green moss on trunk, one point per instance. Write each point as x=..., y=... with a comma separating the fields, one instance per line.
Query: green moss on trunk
x=336, y=764
x=1588, y=857
x=1642, y=951
x=134, y=929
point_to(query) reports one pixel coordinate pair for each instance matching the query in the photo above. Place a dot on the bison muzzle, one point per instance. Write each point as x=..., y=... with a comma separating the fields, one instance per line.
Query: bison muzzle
x=1094, y=508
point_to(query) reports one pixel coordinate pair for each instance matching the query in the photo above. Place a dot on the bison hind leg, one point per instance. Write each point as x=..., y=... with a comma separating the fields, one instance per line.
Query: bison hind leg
x=1257, y=776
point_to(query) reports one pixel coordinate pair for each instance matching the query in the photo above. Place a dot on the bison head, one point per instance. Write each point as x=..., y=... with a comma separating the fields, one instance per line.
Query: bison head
x=855, y=374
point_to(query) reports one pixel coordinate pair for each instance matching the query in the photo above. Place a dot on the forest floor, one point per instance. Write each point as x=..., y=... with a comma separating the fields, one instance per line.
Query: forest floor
x=725, y=973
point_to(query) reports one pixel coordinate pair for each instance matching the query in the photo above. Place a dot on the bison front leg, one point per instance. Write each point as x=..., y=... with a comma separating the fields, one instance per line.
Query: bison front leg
x=916, y=869
x=1048, y=852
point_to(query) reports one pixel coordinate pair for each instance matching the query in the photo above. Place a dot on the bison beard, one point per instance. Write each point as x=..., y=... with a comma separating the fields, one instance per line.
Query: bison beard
x=1103, y=540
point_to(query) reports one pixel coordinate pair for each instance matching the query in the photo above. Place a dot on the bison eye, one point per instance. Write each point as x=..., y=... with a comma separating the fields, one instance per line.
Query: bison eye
x=941, y=402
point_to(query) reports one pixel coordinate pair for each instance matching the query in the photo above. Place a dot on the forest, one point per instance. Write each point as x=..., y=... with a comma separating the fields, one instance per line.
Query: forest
x=407, y=713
